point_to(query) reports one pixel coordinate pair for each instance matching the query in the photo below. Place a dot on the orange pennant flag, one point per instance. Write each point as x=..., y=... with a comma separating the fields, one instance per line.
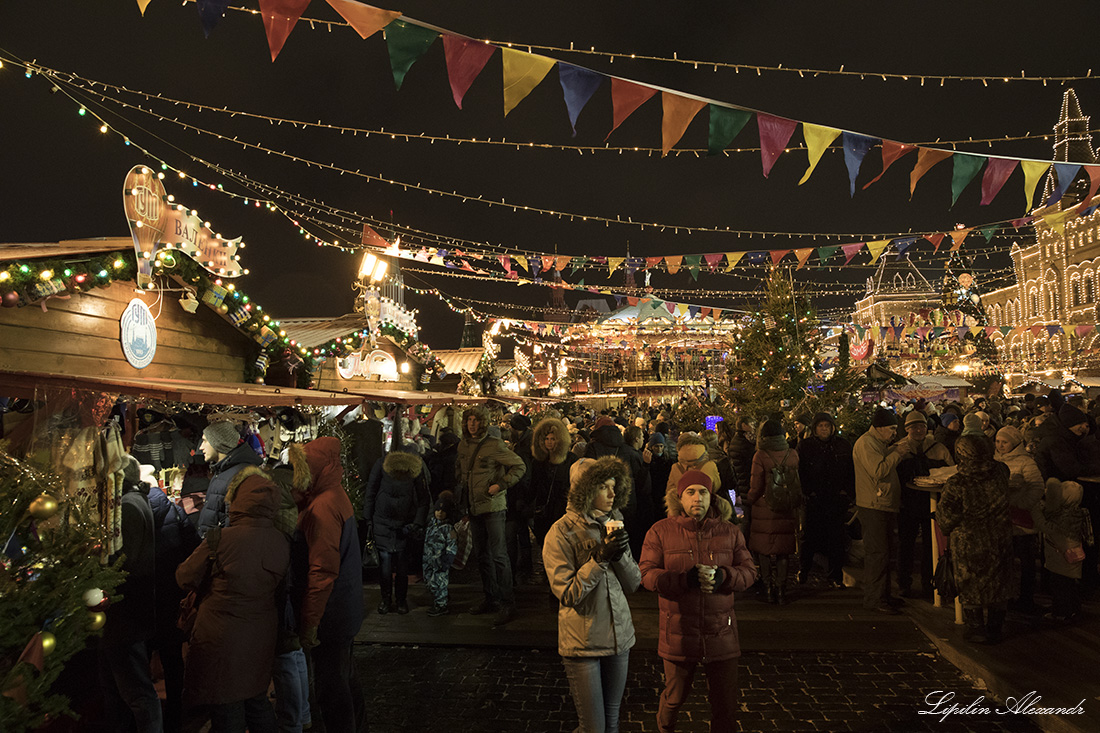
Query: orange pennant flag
x=561, y=263
x=279, y=18
x=959, y=235
x=142, y=5
x=679, y=111
x=673, y=263
x=778, y=254
x=891, y=151
x=522, y=73
x=818, y=140
x=365, y=19
x=1033, y=171
x=547, y=263
x=926, y=158
x=626, y=96
x=803, y=256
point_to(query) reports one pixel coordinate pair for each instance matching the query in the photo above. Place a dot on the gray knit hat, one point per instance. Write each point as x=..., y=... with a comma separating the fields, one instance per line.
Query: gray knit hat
x=222, y=436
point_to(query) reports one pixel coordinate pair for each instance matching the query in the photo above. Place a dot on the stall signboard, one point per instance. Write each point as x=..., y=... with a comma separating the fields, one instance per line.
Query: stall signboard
x=138, y=333
x=377, y=364
x=157, y=223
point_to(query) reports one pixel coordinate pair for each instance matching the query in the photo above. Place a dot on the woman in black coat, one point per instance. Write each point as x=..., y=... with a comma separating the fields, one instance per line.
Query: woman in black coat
x=395, y=507
x=549, y=488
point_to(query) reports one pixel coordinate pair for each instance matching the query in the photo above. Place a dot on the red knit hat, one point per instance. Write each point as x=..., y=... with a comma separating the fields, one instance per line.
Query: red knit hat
x=694, y=478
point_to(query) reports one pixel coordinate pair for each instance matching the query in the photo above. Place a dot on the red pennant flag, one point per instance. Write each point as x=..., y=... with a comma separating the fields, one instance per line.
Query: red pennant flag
x=631, y=301
x=891, y=151
x=775, y=132
x=997, y=171
x=372, y=238
x=935, y=239
x=465, y=60
x=505, y=262
x=651, y=262
x=778, y=254
x=279, y=18
x=713, y=260
x=850, y=251
x=547, y=263
x=626, y=96
x=926, y=158
x=1094, y=183
x=679, y=111
x=363, y=18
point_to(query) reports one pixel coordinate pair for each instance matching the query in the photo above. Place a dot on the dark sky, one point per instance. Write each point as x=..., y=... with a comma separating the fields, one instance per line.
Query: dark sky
x=61, y=178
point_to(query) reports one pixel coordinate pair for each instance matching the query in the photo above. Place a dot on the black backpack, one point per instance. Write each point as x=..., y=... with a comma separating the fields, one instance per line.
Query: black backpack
x=784, y=491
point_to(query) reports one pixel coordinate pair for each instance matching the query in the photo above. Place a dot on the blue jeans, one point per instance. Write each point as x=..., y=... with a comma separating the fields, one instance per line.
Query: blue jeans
x=597, y=685
x=291, y=680
x=487, y=531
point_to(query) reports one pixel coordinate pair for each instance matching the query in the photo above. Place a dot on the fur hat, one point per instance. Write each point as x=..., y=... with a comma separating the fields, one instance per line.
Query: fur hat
x=694, y=478
x=883, y=418
x=222, y=436
x=1070, y=416
x=587, y=481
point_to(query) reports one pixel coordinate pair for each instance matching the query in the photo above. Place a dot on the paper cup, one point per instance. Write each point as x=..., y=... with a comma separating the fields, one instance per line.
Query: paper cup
x=706, y=571
x=613, y=525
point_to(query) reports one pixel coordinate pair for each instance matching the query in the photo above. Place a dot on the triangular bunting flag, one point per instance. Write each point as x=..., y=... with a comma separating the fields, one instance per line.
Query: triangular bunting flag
x=626, y=96
x=406, y=43
x=891, y=151
x=533, y=266
x=679, y=111
x=210, y=12
x=903, y=244
x=778, y=254
x=560, y=263
x=366, y=20
x=997, y=171
x=1085, y=330
x=875, y=248
x=1056, y=220
x=693, y=310
x=1054, y=330
x=1036, y=330
x=818, y=139
x=824, y=253
x=522, y=73
x=1064, y=173
x=958, y=235
x=966, y=166
x=803, y=256
x=935, y=239
x=577, y=86
x=775, y=132
x=713, y=260
x=988, y=231
x=850, y=251
x=732, y=258
x=465, y=60
x=926, y=158
x=547, y=262
x=682, y=309
x=855, y=149
x=631, y=300
x=990, y=330
x=725, y=124
x=922, y=331
x=613, y=264
x=673, y=263
x=1005, y=330
x=691, y=262
x=1033, y=171
x=279, y=17
x=671, y=307
x=372, y=238
x=651, y=262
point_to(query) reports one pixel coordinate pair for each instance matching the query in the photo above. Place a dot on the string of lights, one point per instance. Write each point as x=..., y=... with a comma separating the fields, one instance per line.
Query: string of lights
x=759, y=69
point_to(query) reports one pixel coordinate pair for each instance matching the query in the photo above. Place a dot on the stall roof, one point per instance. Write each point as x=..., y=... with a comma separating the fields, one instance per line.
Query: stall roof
x=457, y=360
x=944, y=380
x=24, y=384
x=310, y=332
x=64, y=248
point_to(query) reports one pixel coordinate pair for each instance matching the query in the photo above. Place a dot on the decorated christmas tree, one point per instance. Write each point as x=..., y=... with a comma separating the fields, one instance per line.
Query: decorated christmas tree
x=961, y=293
x=53, y=591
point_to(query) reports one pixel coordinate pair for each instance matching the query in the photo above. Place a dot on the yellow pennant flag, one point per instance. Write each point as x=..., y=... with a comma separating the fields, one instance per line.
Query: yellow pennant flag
x=732, y=258
x=1056, y=220
x=437, y=261
x=613, y=264
x=522, y=73
x=524, y=262
x=679, y=111
x=1033, y=171
x=875, y=248
x=818, y=139
x=682, y=309
x=142, y=5
x=803, y=256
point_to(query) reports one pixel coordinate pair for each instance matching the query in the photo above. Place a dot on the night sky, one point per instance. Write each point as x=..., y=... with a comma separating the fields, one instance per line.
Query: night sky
x=61, y=178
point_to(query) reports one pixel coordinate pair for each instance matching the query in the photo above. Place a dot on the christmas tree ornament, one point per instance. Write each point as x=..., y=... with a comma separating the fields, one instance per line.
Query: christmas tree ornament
x=49, y=643
x=96, y=620
x=93, y=597
x=43, y=507
x=10, y=299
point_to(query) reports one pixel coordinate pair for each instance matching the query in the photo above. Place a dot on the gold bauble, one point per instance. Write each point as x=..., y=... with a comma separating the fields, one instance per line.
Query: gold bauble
x=49, y=643
x=96, y=620
x=44, y=507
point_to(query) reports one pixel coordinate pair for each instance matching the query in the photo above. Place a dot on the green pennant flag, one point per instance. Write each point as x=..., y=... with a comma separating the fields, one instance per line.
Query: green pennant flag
x=966, y=167
x=580, y=283
x=988, y=231
x=406, y=43
x=1005, y=330
x=576, y=263
x=725, y=124
x=824, y=253
x=691, y=262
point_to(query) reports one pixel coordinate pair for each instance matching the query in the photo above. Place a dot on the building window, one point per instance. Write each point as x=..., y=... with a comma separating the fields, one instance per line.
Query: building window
x=1088, y=289
x=1034, y=304
x=1075, y=293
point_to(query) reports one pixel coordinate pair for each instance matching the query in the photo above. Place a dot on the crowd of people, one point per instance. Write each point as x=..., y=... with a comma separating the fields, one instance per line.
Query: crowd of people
x=270, y=571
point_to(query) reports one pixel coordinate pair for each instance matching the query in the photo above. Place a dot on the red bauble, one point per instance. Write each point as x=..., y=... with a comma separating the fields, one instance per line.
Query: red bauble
x=10, y=299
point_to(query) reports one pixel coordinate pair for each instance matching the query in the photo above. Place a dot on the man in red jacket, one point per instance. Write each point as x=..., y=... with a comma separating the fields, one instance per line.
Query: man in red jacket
x=695, y=559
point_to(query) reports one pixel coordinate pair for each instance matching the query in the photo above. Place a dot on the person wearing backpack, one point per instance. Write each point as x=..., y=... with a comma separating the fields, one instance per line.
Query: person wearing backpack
x=775, y=493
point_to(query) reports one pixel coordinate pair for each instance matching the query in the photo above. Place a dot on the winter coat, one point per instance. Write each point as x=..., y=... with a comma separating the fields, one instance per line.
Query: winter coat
x=593, y=617
x=826, y=471
x=1062, y=454
x=693, y=456
x=175, y=540
x=608, y=441
x=519, y=502
x=1065, y=525
x=973, y=512
x=696, y=626
x=440, y=544
x=550, y=475
x=727, y=476
x=441, y=466
x=741, y=450
x=876, y=463
x=946, y=437
x=396, y=499
x=482, y=462
x=232, y=646
x=213, y=512
x=1025, y=490
x=327, y=553
x=131, y=618
x=925, y=457
x=771, y=532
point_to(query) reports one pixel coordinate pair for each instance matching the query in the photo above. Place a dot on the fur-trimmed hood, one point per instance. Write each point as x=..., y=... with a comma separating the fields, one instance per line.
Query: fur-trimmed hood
x=720, y=508
x=544, y=428
x=582, y=492
x=402, y=465
x=252, y=493
x=483, y=414
x=286, y=518
x=317, y=467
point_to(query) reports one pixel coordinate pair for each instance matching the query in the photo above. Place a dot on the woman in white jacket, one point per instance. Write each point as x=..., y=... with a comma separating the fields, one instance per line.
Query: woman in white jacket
x=590, y=572
x=1025, y=493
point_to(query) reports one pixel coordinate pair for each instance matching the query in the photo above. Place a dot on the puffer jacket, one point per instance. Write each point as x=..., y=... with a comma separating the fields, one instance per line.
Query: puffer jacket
x=772, y=532
x=326, y=550
x=395, y=498
x=213, y=512
x=1025, y=490
x=550, y=475
x=483, y=461
x=696, y=626
x=741, y=450
x=689, y=457
x=593, y=618
x=876, y=463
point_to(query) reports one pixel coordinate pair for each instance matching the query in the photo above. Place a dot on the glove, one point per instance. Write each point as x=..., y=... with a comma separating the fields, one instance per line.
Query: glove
x=719, y=576
x=692, y=577
x=308, y=637
x=621, y=541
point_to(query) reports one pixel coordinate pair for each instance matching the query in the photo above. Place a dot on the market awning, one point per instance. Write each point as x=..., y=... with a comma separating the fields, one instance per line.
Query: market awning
x=25, y=384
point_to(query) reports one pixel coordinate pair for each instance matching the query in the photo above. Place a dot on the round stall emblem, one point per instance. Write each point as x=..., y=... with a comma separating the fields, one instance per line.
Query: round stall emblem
x=139, y=334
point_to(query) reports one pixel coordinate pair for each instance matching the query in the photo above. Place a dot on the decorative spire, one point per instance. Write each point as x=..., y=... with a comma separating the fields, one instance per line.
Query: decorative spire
x=1072, y=142
x=471, y=338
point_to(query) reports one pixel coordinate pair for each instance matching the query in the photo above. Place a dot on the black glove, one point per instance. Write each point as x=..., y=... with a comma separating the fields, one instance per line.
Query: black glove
x=609, y=550
x=692, y=577
x=719, y=576
x=621, y=541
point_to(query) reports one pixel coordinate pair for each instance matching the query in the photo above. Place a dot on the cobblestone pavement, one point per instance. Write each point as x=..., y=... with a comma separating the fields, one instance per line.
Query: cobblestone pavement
x=460, y=689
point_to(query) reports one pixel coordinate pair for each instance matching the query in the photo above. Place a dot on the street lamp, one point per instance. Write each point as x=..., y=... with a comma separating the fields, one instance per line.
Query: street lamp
x=372, y=268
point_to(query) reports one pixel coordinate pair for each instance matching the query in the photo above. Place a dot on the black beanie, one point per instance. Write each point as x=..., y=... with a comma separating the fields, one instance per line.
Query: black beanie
x=771, y=428
x=519, y=422
x=884, y=418
x=1070, y=416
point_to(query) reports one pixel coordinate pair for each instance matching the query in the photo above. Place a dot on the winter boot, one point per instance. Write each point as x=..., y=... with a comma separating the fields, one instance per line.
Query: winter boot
x=781, y=593
x=995, y=619
x=770, y=594
x=975, y=627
